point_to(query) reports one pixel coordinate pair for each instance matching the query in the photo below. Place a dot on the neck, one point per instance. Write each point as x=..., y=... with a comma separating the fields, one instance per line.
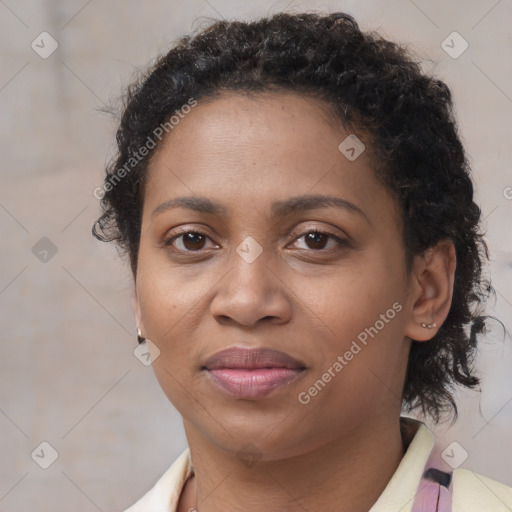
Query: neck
x=346, y=474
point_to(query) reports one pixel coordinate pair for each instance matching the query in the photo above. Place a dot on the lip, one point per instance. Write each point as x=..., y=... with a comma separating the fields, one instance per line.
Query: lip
x=252, y=358
x=252, y=373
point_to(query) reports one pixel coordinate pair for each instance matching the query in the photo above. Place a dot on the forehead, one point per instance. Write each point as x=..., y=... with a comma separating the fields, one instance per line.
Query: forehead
x=249, y=151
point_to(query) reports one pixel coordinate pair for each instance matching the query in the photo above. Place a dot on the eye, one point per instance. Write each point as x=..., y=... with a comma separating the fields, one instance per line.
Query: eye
x=316, y=239
x=192, y=240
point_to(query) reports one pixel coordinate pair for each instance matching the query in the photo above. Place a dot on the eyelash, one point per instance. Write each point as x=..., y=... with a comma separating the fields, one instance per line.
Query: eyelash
x=343, y=243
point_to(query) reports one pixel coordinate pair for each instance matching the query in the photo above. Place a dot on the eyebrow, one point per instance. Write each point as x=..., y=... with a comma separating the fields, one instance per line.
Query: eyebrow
x=278, y=208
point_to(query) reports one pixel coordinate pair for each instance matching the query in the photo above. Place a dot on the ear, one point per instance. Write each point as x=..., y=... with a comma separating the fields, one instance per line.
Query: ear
x=136, y=310
x=432, y=290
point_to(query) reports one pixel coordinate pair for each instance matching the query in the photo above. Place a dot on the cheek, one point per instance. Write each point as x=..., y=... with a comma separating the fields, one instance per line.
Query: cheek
x=351, y=297
x=360, y=311
x=166, y=317
x=168, y=296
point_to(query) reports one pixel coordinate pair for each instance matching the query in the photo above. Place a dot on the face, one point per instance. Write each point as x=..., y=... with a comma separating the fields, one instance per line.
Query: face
x=253, y=273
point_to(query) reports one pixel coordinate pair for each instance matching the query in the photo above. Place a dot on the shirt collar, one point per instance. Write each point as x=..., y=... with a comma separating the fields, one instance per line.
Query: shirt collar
x=398, y=495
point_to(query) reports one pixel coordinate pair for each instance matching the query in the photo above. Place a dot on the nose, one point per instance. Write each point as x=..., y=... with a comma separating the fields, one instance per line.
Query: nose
x=252, y=291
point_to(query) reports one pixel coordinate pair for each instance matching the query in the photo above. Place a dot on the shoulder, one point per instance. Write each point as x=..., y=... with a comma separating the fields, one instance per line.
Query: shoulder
x=473, y=492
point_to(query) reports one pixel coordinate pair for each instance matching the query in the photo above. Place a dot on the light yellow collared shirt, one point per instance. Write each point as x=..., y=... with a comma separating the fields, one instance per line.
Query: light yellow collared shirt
x=471, y=492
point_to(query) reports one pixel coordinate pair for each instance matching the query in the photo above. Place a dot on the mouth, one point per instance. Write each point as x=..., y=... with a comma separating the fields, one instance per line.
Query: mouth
x=252, y=373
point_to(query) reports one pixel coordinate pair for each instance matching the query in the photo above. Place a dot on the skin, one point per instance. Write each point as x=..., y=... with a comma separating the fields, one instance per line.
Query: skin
x=246, y=153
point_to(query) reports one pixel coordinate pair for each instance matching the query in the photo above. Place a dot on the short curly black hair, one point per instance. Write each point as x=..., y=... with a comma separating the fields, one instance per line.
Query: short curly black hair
x=370, y=84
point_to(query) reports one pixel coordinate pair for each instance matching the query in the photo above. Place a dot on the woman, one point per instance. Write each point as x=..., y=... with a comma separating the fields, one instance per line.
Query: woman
x=298, y=215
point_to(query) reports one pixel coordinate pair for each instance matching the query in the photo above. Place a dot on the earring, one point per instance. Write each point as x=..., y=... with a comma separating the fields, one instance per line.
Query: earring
x=140, y=339
x=429, y=326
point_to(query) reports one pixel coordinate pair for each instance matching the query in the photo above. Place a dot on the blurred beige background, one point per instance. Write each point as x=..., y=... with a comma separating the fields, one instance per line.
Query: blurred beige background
x=68, y=371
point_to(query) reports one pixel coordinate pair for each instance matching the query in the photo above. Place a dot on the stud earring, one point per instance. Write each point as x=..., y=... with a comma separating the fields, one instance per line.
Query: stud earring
x=140, y=339
x=428, y=326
